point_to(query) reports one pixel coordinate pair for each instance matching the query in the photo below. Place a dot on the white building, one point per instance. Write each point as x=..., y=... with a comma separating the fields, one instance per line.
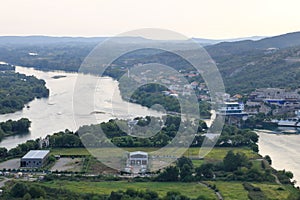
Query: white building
x=35, y=158
x=138, y=158
x=232, y=108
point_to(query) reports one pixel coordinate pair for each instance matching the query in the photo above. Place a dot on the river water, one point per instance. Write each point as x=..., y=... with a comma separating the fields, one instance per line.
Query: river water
x=53, y=114
x=283, y=149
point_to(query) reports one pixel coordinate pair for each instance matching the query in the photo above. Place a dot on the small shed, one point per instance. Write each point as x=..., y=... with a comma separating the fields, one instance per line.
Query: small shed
x=138, y=158
x=35, y=159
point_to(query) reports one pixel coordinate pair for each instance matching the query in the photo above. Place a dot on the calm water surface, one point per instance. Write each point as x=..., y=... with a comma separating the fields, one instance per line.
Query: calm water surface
x=53, y=114
x=284, y=150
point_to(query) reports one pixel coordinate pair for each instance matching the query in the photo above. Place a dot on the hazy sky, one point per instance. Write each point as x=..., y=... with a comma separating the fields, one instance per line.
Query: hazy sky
x=193, y=18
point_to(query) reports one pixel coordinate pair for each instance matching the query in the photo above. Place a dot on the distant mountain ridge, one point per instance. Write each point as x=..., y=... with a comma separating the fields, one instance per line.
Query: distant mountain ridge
x=35, y=40
x=244, y=65
x=280, y=41
x=205, y=42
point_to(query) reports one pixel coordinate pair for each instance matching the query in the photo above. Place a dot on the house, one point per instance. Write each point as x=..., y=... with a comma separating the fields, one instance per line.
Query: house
x=138, y=158
x=35, y=159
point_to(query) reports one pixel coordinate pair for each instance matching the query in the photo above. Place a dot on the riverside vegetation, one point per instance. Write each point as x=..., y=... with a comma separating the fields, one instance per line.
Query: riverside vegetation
x=16, y=89
x=232, y=168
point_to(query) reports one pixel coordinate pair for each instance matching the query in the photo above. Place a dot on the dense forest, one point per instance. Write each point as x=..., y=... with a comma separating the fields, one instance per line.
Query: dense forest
x=11, y=127
x=17, y=89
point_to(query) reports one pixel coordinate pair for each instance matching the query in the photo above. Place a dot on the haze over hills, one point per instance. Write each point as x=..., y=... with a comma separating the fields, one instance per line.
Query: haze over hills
x=40, y=39
x=206, y=42
x=281, y=41
x=244, y=65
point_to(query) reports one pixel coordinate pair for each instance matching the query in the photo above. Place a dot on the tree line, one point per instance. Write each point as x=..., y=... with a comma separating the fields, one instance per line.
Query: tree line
x=27, y=191
x=11, y=127
x=17, y=89
x=234, y=167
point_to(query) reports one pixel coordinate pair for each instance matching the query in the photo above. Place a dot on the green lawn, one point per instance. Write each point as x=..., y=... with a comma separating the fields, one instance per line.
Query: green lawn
x=70, y=151
x=197, y=163
x=216, y=154
x=272, y=191
x=192, y=190
x=231, y=190
x=236, y=191
x=257, y=165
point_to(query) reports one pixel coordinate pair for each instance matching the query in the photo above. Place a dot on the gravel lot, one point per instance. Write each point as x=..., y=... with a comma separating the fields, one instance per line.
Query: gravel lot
x=10, y=164
x=67, y=164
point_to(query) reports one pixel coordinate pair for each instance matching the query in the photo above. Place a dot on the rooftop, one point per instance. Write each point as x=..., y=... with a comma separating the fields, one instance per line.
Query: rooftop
x=231, y=103
x=138, y=152
x=36, y=154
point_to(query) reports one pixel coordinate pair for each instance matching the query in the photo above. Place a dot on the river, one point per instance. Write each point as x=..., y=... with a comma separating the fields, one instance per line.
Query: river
x=53, y=114
x=283, y=149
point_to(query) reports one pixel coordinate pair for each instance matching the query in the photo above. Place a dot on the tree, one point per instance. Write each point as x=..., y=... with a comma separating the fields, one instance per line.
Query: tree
x=174, y=195
x=3, y=152
x=171, y=173
x=27, y=196
x=37, y=192
x=289, y=174
x=21, y=125
x=230, y=162
x=204, y=171
x=184, y=160
x=186, y=173
x=19, y=190
x=268, y=159
x=115, y=195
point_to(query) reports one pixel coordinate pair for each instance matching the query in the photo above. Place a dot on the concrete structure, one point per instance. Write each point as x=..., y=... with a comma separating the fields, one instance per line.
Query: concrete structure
x=232, y=108
x=138, y=158
x=278, y=102
x=274, y=94
x=35, y=159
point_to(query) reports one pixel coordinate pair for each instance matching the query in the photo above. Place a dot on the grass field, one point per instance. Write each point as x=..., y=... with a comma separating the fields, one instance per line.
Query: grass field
x=69, y=151
x=216, y=154
x=231, y=190
x=273, y=192
x=236, y=191
x=192, y=190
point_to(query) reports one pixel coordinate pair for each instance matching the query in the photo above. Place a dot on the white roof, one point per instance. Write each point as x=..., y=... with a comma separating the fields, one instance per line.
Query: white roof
x=36, y=154
x=138, y=152
x=229, y=103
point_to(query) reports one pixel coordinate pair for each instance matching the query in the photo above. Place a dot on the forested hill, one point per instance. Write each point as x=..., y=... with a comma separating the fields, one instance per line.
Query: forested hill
x=241, y=47
x=16, y=89
x=270, y=62
x=244, y=65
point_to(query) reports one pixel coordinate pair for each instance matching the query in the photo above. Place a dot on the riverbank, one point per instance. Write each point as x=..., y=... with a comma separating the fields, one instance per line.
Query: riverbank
x=283, y=150
x=55, y=113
